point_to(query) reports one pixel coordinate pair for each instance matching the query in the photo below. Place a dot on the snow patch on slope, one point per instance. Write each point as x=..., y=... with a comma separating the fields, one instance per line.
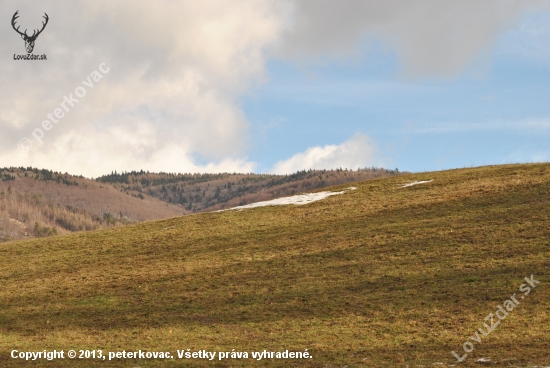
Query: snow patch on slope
x=300, y=199
x=416, y=183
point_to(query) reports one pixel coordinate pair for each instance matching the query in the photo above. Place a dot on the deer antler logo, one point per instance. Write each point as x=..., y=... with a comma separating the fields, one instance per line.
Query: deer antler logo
x=29, y=40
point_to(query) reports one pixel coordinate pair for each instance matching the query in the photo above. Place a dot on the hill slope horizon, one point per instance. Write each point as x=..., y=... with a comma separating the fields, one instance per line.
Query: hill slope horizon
x=36, y=203
x=381, y=276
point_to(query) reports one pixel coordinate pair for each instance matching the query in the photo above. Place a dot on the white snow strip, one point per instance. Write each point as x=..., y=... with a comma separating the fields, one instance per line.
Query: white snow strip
x=416, y=183
x=300, y=199
x=484, y=360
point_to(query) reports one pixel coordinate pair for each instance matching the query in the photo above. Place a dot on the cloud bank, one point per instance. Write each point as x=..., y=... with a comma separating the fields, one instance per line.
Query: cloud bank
x=431, y=37
x=170, y=101
x=357, y=152
x=176, y=71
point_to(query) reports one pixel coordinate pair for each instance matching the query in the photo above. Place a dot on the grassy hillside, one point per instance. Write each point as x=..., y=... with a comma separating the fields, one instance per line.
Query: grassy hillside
x=379, y=276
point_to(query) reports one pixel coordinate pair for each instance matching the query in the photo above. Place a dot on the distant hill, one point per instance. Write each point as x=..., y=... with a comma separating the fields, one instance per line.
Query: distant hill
x=62, y=203
x=210, y=192
x=38, y=203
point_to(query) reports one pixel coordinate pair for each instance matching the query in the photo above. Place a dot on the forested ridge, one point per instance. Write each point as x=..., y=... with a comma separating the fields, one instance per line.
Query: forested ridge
x=204, y=192
x=37, y=202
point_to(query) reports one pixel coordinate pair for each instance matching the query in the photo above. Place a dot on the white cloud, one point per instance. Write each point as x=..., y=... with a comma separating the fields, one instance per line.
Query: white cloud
x=176, y=72
x=178, y=69
x=357, y=152
x=72, y=150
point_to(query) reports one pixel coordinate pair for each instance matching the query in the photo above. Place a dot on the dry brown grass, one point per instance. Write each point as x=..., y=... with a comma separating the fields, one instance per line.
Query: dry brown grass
x=380, y=276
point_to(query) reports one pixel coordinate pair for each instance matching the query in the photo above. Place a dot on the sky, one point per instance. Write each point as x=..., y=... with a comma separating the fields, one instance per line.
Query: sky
x=274, y=86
